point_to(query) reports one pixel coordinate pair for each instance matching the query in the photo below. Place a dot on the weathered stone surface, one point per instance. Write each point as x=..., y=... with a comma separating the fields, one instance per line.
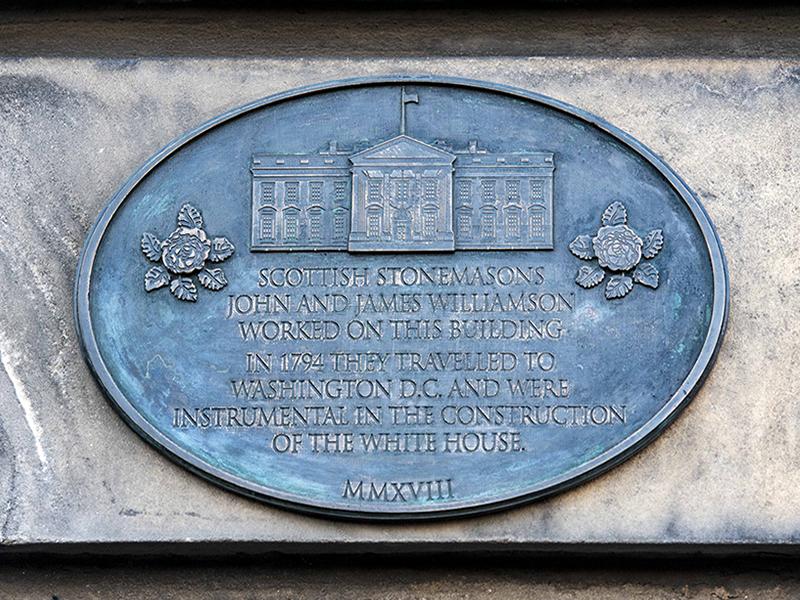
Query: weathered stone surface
x=462, y=579
x=389, y=29
x=73, y=129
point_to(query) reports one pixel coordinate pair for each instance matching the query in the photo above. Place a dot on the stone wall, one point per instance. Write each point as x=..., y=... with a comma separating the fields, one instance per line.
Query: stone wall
x=85, y=98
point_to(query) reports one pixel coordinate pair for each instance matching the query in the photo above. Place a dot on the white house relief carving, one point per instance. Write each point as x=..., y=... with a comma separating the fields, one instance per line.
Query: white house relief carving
x=403, y=195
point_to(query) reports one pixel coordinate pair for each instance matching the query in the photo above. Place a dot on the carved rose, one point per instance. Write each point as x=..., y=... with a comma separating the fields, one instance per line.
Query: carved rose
x=183, y=254
x=186, y=250
x=617, y=247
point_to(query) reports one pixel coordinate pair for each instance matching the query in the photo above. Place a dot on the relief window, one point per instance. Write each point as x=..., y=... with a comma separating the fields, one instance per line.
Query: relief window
x=512, y=190
x=429, y=224
x=374, y=224
x=268, y=192
x=512, y=224
x=537, y=190
x=488, y=187
x=292, y=191
x=402, y=190
x=291, y=226
x=315, y=226
x=268, y=226
x=536, y=227
x=464, y=191
x=315, y=191
x=488, y=224
x=465, y=225
x=340, y=225
x=375, y=190
x=431, y=187
x=340, y=191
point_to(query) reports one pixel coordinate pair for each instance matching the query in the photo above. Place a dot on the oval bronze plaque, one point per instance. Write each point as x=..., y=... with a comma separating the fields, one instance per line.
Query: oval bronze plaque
x=401, y=298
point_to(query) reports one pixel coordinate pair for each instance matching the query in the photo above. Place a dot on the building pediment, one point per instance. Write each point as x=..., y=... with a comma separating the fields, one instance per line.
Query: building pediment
x=402, y=148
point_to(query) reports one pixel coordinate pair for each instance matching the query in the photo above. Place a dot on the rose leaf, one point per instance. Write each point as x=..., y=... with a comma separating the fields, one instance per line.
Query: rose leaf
x=581, y=247
x=151, y=247
x=213, y=279
x=183, y=288
x=588, y=277
x=189, y=216
x=618, y=286
x=221, y=248
x=615, y=214
x=653, y=242
x=155, y=278
x=646, y=274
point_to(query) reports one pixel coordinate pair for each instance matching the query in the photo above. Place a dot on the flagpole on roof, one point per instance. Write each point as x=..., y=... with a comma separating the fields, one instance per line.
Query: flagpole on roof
x=405, y=99
x=402, y=110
